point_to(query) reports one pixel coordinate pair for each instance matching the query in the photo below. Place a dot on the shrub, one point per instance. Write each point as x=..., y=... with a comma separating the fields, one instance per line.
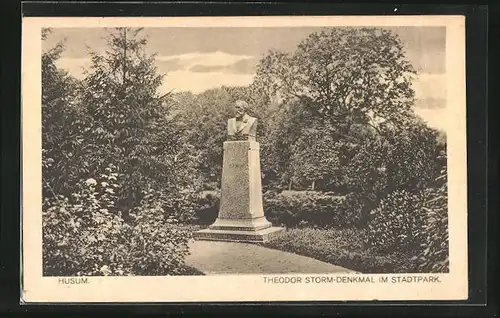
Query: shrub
x=82, y=237
x=315, y=159
x=414, y=158
x=434, y=258
x=181, y=205
x=397, y=225
x=310, y=209
x=355, y=206
x=156, y=245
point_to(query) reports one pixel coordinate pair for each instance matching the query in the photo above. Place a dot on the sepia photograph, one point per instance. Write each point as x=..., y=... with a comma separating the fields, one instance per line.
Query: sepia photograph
x=295, y=155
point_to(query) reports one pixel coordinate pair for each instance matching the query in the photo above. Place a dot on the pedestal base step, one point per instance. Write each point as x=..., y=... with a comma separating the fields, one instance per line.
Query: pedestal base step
x=259, y=236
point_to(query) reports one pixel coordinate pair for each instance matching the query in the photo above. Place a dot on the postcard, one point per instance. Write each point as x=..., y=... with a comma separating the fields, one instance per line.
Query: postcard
x=234, y=159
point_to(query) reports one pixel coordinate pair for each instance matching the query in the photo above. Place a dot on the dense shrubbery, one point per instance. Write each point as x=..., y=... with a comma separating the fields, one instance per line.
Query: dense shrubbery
x=396, y=225
x=407, y=232
x=181, y=205
x=414, y=224
x=156, y=245
x=82, y=235
x=434, y=258
x=120, y=219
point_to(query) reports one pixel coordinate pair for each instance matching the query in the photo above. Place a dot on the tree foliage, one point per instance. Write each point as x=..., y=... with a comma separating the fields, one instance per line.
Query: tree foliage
x=111, y=147
x=62, y=124
x=344, y=75
x=82, y=237
x=315, y=160
x=130, y=121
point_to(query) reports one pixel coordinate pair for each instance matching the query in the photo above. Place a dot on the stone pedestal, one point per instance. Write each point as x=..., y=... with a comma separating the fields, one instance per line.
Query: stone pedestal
x=241, y=214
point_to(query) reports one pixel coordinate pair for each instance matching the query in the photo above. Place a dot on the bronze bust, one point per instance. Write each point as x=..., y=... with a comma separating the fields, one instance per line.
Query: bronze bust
x=243, y=126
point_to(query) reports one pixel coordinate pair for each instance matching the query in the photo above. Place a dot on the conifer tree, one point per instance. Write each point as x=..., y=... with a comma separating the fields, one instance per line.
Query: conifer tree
x=131, y=124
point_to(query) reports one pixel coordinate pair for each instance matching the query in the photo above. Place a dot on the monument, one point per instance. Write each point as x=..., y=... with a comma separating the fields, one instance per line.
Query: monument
x=241, y=214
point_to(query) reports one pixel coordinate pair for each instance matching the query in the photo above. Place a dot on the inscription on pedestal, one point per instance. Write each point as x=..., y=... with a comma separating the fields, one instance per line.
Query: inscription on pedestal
x=241, y=194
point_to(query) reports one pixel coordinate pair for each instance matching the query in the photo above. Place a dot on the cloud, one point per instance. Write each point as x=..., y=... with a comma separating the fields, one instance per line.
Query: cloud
x=246, y=66
x=425, y=47
x=207, y=68
x=197, y=72
x=194, y=62
x=217, y=58
x=198, y=62
x=169, y=65
x=430, y=104
x=179, y=78
x=197, y=82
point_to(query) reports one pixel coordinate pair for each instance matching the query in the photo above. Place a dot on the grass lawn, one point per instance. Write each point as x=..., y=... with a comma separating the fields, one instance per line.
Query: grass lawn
x=342, y=247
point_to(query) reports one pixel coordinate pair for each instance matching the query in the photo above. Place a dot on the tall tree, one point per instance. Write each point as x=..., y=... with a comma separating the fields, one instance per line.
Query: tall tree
x=347, y=83
x=62, y=124
x=131, y=124
x=344, y=76
x=283, y=128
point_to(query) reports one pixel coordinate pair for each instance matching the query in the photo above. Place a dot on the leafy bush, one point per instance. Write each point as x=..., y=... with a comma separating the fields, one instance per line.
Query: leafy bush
x=81, y=236
x=435, y=256
x=342, y=247
x=415, y=156
x=156, y=245
x=310, y=209
x=181, y=205
x=416, y=224
x=364, y=174
x=397, y=225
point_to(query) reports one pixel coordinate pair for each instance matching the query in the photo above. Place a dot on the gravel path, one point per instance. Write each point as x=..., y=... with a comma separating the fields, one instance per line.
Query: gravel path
x=216, y=258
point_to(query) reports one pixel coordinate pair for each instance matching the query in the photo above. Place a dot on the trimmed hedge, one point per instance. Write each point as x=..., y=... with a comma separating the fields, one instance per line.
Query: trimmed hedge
x=294, y=209
x=306, y=209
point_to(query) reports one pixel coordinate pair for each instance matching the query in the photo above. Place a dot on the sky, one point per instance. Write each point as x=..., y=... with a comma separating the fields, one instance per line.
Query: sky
x=197, y=59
